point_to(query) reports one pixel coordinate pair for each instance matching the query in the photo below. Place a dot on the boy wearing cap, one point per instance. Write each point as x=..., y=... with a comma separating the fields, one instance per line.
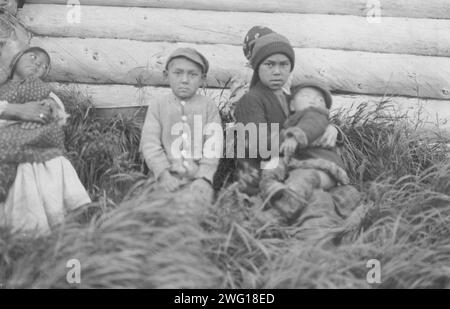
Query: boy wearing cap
x=306, y=167
x=168, y=143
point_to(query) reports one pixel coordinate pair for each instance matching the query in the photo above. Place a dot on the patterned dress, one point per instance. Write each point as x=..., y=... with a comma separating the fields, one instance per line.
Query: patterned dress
x=21, y=144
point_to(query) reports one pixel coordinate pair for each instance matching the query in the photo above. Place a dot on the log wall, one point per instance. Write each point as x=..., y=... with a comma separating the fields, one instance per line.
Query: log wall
x=118, y=50
x=397, y=8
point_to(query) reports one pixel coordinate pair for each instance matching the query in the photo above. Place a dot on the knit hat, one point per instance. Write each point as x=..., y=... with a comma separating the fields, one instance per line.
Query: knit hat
x=192, y=55
x=253, y=34
x=319, y=86
x=16, y=58
x=266, y=46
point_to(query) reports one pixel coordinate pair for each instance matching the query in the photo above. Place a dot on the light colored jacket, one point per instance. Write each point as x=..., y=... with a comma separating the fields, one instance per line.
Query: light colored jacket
x=161, y=136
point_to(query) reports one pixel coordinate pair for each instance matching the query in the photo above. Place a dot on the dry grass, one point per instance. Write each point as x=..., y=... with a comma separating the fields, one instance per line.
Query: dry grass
x=150, y=240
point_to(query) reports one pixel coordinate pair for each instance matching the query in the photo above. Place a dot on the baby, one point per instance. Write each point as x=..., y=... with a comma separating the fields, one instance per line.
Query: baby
x=305, y=167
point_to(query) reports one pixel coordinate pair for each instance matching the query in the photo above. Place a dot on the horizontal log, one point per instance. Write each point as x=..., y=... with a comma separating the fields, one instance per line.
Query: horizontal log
x=107, y=61
x=393, y=35
x=396, y=8
x=430, y=112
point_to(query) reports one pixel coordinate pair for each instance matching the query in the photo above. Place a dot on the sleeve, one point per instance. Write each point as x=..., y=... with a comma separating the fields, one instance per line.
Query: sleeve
x=248, y=110
x=151, y=144
x=309, y=128
x=210, y=160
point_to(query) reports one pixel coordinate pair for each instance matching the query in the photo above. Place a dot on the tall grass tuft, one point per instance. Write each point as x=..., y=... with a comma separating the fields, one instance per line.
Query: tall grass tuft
x=104, y=152
x=379, y=142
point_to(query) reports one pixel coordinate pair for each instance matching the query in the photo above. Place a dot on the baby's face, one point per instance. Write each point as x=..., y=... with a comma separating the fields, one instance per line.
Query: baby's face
x=32, y=64
x=308, y=97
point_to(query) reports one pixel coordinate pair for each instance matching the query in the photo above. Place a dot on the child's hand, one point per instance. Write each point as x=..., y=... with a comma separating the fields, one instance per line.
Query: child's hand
x=328, y=139
x=52, y=105
x=32, y=111
x=168, y=182
x=288, y=147
x=58, y=113
x=49, y=102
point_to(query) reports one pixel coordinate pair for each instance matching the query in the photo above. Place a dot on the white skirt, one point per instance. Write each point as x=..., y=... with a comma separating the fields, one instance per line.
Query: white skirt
x=41, y=195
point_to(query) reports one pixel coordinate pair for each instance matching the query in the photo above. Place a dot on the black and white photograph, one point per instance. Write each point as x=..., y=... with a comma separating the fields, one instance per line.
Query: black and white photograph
x=236, y=146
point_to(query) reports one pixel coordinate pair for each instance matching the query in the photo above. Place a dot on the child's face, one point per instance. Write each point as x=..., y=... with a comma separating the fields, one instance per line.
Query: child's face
x=308, y=97
x=185, y=77
x=32, y=64
x=274, y=71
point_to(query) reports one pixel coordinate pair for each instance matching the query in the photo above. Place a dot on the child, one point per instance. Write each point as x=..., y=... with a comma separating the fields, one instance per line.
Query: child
x=260, y=43
x=19, y=140
x=25, y=84
x=272, y=59
x=34, y=143
x=238, y=84
x=172, y=163
x=305, y=166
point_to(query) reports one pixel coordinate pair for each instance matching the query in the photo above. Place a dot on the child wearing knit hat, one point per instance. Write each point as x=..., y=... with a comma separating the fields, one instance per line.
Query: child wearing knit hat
x=266, y=103
x=276, y=46
x=272, y=58
x=305, y=167
x=238, y=85
x=172, y=162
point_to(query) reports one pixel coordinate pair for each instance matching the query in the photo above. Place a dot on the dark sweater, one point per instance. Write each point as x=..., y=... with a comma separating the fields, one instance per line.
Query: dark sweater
x=260, y=105
x=312, y=122
x=19, y=145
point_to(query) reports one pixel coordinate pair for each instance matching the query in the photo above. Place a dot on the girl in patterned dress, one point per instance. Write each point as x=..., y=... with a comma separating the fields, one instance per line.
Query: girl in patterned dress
x=37, y=184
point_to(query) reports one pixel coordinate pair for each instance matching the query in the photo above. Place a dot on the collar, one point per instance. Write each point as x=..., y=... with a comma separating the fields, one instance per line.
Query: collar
x=173, y=99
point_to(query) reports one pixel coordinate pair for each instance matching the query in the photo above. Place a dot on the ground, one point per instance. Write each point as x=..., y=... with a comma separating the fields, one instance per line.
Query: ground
x=126, y=240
